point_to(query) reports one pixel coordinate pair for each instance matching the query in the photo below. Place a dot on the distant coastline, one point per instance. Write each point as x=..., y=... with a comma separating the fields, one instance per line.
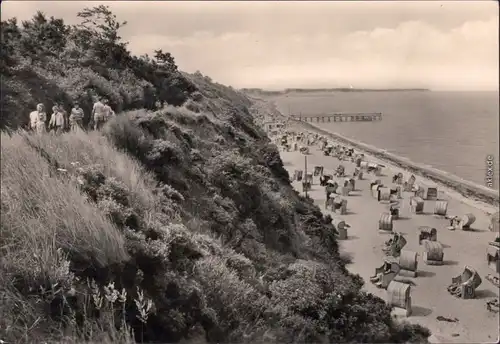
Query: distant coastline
x=343, y=89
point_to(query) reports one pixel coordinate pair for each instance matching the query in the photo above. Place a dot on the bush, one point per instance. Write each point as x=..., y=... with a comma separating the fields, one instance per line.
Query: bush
x=79, y=63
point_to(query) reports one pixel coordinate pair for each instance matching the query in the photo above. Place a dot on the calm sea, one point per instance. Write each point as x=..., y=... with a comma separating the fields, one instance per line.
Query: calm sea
x=450, y=131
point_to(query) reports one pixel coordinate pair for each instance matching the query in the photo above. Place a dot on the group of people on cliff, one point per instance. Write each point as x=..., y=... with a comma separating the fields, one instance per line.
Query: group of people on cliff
x=59, y=121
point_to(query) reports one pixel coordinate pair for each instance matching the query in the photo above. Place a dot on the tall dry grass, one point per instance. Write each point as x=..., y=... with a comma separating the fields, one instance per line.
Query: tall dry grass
x=74, y=150
x=42, y=212
x=46, y=222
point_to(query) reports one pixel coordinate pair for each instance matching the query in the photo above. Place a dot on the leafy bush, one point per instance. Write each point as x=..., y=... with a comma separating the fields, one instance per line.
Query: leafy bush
x=47, y=61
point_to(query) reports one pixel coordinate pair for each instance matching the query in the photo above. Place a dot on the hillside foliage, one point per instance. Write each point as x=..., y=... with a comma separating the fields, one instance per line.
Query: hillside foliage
x=174, y=225
x=43, y=60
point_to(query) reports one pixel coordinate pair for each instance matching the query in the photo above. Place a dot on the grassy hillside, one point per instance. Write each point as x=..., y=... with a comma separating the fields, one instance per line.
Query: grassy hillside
x=175, y=225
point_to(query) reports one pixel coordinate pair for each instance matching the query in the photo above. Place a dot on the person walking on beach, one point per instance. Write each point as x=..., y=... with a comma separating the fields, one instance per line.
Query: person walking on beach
x=330, y=190
x=99, y=114
x=38, y=119
x=57, y=120
x=76, y=118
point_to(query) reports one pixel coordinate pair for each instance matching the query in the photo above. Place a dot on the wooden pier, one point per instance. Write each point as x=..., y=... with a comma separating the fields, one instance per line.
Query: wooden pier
x=341, y=117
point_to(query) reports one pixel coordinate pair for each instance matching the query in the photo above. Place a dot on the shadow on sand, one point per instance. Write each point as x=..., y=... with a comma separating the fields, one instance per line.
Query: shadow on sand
x=477, y=230
x=403, y=218
x=450, y=262
x=348, y=212
x=485, y=293
x=406, y=280
x=421, y=273
x=418, y=311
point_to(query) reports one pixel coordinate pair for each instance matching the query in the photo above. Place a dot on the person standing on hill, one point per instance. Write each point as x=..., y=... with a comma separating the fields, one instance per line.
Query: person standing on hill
x=108, y=110
x=57, y=120
x=76, y=118
x=34, y=117
x=60, y=108
x=38, y=119
x=98, y=114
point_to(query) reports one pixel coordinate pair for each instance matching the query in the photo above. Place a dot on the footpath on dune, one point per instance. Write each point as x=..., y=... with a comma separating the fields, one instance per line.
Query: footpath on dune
x=430, y=298
x=174, y=223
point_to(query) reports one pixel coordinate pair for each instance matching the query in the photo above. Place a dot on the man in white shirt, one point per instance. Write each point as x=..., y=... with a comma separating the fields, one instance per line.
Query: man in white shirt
x=99, y=114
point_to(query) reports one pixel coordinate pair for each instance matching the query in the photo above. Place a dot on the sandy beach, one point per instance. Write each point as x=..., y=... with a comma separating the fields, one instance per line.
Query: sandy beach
x=430, y=297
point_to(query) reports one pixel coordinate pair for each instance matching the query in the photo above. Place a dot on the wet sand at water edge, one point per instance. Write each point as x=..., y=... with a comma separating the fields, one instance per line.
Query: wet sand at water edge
x=429, y=294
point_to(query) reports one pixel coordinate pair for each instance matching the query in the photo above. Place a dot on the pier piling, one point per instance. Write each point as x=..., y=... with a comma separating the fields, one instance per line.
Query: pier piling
x=342, y=117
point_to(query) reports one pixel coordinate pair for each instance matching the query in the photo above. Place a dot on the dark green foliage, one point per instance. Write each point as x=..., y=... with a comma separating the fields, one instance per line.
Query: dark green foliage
x=46, y=61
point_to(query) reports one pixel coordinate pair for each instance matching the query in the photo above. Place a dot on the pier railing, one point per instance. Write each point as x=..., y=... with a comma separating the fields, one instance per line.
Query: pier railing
x=341, y=117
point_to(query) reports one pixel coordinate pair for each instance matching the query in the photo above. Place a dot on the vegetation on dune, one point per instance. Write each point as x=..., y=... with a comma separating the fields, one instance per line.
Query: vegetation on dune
x=178, y=225
x=45, y=60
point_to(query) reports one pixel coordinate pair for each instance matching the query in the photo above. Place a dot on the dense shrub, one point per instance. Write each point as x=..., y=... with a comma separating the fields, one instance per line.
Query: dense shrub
x=47, y=61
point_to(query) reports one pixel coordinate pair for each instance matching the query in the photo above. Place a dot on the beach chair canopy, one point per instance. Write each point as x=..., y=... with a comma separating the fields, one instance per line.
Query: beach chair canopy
x=493, y=252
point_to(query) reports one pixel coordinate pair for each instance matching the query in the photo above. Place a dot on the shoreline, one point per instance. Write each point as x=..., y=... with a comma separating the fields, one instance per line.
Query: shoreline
x=453, y=184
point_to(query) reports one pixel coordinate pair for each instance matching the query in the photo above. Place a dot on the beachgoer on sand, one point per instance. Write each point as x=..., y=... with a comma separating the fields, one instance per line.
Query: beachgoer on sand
x=76, y=118
x=340, y=171
x=322, y=180
x=38, y=119
x=330, y=190
x=378, y=277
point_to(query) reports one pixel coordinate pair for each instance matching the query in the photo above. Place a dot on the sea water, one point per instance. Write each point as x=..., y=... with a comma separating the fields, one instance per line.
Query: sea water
x=456, y=132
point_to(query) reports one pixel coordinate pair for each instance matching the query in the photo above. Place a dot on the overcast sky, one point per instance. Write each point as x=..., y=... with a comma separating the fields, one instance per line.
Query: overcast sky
x=432, y=44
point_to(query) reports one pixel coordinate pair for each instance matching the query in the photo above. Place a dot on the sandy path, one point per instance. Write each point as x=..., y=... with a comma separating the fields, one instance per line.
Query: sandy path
x=429, y=296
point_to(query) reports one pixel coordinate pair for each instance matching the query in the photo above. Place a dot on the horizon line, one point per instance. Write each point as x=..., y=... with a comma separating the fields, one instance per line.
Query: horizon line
x=291, y=89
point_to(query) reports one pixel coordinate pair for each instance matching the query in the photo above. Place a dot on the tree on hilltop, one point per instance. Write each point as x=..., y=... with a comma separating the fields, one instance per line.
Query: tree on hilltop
x=99, y=31
x=166, y=60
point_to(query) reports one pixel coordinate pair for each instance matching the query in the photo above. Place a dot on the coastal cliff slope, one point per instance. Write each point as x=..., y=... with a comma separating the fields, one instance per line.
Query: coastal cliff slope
x=176, y=224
